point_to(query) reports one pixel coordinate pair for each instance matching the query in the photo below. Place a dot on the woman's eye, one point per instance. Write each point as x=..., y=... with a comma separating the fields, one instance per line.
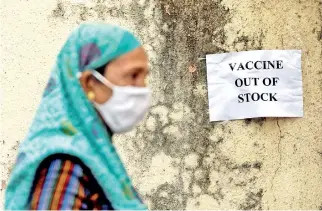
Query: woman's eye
x=134, y=75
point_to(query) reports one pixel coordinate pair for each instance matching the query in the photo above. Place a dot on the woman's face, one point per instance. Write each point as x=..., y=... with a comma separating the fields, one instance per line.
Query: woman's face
x=130, y=69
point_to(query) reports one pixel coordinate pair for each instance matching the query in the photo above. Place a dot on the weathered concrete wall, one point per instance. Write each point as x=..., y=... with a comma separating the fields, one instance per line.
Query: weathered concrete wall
x=177, y=159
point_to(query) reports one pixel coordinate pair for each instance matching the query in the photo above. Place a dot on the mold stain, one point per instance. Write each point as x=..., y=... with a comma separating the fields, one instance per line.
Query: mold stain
x=82, y=12
x=59, y=11
x=167, y=197
x=253, y=201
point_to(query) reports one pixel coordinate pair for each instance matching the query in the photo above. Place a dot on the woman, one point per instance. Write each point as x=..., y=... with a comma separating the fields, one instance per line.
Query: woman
x=67, y=160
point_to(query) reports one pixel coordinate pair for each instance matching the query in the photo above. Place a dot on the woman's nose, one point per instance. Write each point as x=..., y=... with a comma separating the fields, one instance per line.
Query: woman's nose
x=146, y=81
x=142, y=82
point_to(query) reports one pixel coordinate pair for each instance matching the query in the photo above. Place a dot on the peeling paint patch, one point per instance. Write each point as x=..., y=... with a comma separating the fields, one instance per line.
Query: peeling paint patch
x=186, y=177
x=171, y=130
x=151, y=123
x=176, y=116
x=161, y=171
x=196, y=189
x=191, y=160
x=162, y=114
x=3, y=184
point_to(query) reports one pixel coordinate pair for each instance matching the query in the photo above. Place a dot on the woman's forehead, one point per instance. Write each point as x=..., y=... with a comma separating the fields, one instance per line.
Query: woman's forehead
x=136, y=54
x=135, y=58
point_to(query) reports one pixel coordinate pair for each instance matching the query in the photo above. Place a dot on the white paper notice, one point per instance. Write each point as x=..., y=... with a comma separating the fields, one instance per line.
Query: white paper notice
x=264, y=83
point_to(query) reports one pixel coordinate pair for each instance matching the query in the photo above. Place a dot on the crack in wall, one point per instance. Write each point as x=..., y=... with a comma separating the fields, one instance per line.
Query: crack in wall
x=280, y=158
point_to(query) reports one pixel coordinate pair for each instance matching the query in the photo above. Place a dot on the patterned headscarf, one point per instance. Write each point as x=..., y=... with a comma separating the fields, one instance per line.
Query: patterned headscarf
x=66, y=121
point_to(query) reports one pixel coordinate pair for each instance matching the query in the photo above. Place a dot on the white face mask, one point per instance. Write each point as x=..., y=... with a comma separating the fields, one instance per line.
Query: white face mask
x=127, y=106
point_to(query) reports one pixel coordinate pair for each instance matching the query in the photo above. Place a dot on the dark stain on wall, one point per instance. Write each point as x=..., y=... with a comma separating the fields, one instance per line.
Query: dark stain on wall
x=167, y=197
x=191, y=28
x=59, y=11
x=260, y=121
x=100, y=9
x=320, y=34
x=320, y=207
x=189, y=35
x=253, y=201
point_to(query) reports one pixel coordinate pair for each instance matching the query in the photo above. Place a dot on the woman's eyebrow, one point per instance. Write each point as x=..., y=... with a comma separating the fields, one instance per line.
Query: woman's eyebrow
x=139, y=69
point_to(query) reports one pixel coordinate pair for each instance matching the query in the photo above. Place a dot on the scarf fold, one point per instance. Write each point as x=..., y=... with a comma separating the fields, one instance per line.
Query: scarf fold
x=66, y=121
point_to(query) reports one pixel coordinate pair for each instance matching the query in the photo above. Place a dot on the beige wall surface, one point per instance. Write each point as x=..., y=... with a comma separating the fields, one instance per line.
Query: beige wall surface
x=176, y=157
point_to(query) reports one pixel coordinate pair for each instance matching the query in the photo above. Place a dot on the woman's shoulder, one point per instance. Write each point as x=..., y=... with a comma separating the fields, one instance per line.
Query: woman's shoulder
x=66, y=166
x=63, y=164
x=61, y=174
x=60, y=159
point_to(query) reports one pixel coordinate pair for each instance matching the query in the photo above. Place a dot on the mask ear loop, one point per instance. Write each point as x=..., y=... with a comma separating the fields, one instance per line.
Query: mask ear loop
x=102, y=79
x=78, y=75
x=99, y=77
